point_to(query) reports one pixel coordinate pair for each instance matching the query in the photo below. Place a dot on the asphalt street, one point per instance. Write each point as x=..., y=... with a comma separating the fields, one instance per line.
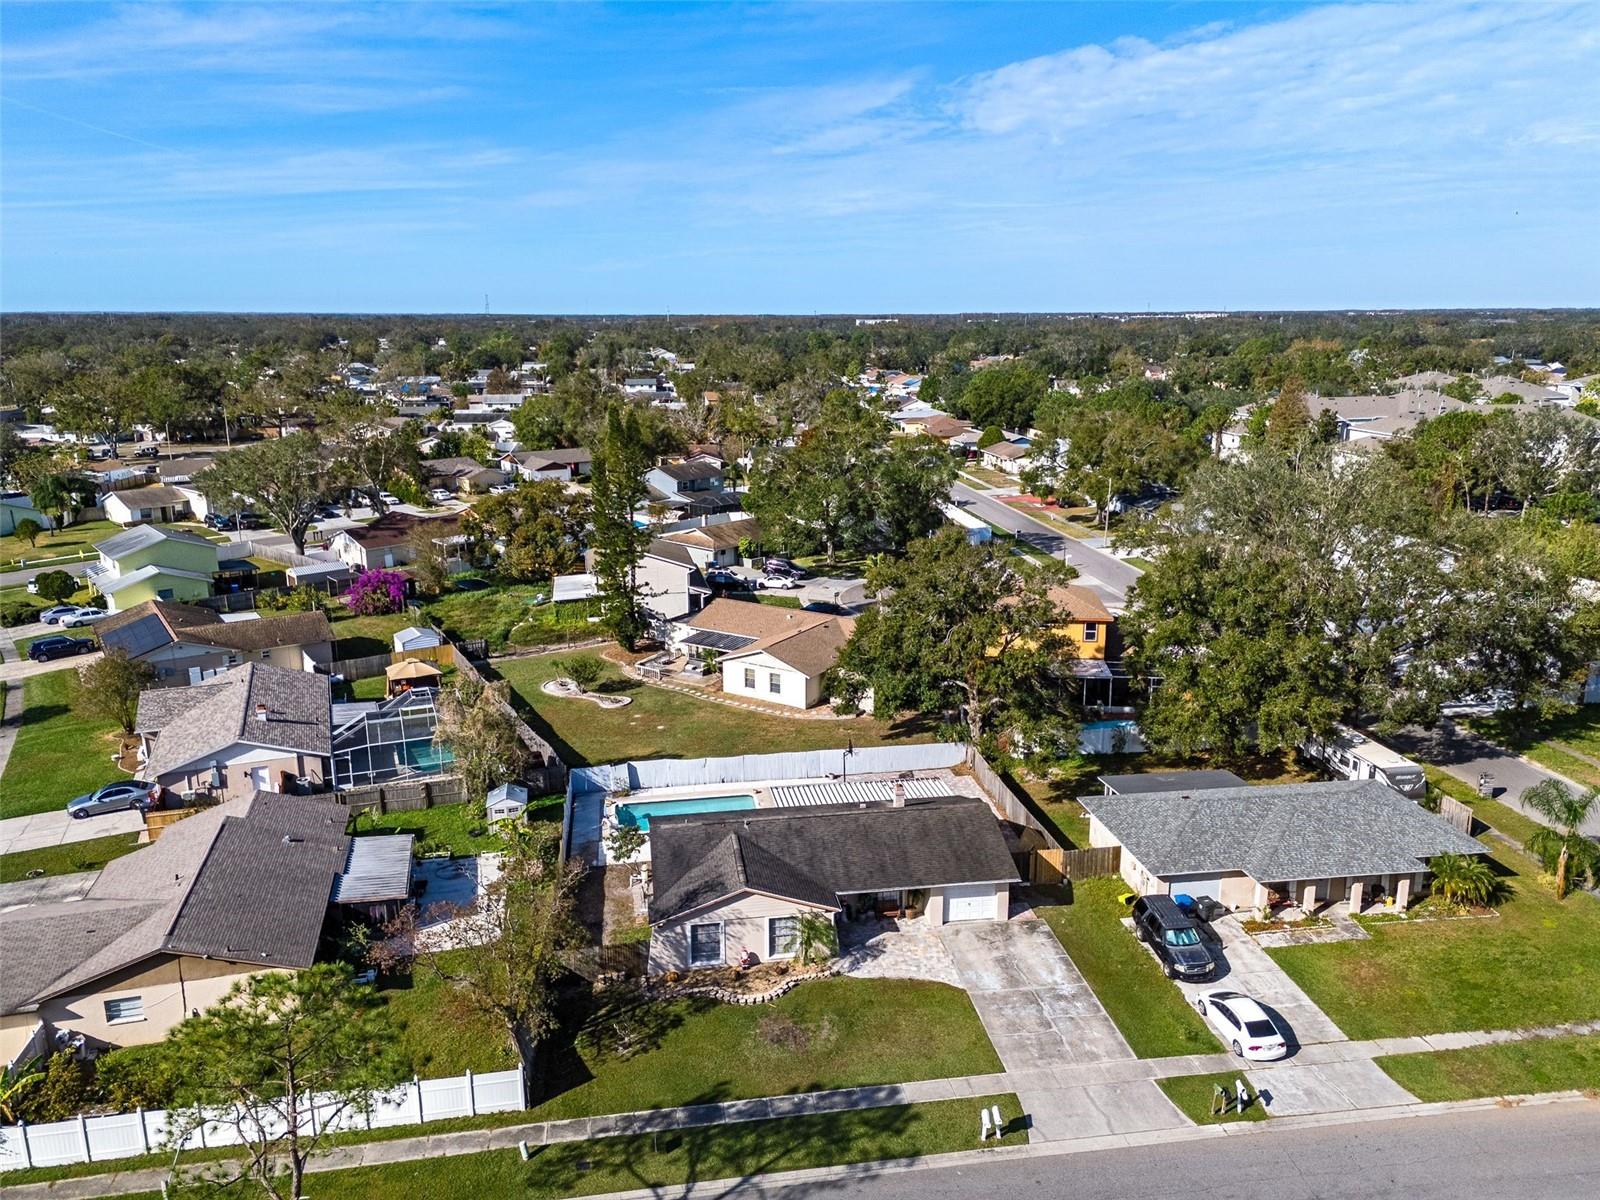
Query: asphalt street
x=1107, y=574
x=1541, y=1152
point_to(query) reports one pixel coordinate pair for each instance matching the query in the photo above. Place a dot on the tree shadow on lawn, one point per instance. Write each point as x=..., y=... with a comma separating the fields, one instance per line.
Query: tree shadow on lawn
x=38, y=714
x=673, y=1160
x=616, y=1023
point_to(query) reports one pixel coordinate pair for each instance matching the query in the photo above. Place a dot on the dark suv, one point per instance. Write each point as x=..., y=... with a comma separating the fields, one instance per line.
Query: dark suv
x=1175, y=938
x=59, y=646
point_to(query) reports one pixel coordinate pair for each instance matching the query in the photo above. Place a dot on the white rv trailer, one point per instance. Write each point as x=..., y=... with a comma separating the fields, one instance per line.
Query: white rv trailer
x=1353, y=755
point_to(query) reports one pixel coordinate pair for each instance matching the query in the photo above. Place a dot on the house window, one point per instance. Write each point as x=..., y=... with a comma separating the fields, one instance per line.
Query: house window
x=705, y=945
x=750, y=678
x=775, y=683
x=783, y=936
x=126, y=1008
x=1091, y=632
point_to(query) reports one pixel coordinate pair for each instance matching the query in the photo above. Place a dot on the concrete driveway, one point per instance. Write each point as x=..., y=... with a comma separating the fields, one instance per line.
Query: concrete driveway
x=55, y=828
x=1246, y=967
x=1032, y=1000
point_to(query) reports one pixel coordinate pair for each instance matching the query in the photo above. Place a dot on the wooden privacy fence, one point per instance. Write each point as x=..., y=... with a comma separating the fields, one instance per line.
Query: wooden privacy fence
x=551, y=775
x=1014, y=807
x=1457, y=813
x=1050, y=867
x=405, y=795
x=370, y=665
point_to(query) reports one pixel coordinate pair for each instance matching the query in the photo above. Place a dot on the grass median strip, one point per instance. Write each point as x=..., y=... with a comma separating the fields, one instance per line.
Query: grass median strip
x=58, y=753
x=1556, y=1064
x=69, y=859
x=1194, y=1096
x=1146, y=1007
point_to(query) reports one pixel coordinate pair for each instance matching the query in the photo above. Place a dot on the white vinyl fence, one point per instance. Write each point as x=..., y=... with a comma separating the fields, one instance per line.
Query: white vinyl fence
x=125, y=1135
x=743, y=768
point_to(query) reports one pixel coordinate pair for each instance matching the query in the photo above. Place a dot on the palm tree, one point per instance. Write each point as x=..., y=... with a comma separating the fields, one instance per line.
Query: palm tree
x=1560, y=846
x=1463, y=879
x=818, y=939
x=13, y=1082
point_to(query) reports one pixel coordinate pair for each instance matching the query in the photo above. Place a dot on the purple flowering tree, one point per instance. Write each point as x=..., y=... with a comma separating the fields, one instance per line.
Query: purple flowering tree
x=376, y=592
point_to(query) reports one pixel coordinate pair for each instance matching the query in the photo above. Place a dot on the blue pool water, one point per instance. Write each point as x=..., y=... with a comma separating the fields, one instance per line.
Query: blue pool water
x=638, y=815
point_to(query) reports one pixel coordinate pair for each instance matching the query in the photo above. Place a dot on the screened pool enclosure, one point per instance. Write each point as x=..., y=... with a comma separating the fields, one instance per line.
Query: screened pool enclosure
x=387, y=740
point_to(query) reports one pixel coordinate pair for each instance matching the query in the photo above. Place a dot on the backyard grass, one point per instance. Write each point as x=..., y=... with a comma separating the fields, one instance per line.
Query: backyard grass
x=1193, y=1095
x=1535, y=964
x=664, y=724
x=88, y=855
x=669, y=1162
x=490, y=614
x=1504, y=1069
x=436, y=1032
x=357, y=637
x=1151, y=1013
x=1568, y=745
x=58, y=753
x=459, y=828
x=621, y=1053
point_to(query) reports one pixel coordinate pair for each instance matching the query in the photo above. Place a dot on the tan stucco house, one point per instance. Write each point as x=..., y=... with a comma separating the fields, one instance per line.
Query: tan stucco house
x=1309, y=844
x=165, y=931
x=254, y=728
x=186, y=643
x=730, y=884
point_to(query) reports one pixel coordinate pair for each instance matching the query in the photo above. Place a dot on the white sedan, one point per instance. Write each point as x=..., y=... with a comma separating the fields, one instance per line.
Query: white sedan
x=1243, y=1025
x=781, y=583
x=84, y=616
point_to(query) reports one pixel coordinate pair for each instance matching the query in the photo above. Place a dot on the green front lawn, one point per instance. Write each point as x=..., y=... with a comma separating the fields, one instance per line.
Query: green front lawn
x=58, y=753
x=1151, y=1013
x=437, y=1033
x=1535, y=964
x=1193, y=1094
x=664, y=724
x=88, y=855
x=1497, y=816
x=626, y=1054
x=71, y=540
x=1504, y=1069
x=668, y=1162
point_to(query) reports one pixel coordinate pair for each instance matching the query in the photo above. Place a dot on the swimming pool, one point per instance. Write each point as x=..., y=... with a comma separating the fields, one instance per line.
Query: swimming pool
x=638, y=815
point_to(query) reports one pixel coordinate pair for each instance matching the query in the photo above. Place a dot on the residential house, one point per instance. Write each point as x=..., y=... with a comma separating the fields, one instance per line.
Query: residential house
x=1088, y=623
x=1170, y=781
x=940, y=427
x=716, y=543
x=669, y=581
x=492, y=425
x=1496, y=386
x=253, y=728
x=461, y=474
x=1309, y=844
x=169, y=929
x=390, y=541
x=672, y=479
x=15, y=507
x=644, y=386
x=729, y=884
x=778, y=655
x=501, y=402
x=151, y=562
x=533, y=465
x=1008, y=456
x=187, y=644
x=158, y=503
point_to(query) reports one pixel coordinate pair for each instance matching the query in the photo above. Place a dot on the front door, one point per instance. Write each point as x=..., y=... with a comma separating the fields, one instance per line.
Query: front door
x=261, y=779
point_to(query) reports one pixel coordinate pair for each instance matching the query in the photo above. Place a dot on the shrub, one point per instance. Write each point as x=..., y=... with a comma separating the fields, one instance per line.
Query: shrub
x=29, y=529
x=584, y=670
x=19, y=612
x=376, y=592
x=55, y=585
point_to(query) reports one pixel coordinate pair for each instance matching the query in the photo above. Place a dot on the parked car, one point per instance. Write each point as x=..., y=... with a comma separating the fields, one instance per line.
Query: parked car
x=114, y=797
x=244, y=520
x=781, y=583
x=147, y=452
x=722, y=577
x=501, y=489
x=1174, y=937
x=440, y=495
x=59, y=645
x=55, y=612
x=82, y=617
x=782, y=566
x=389, y=498
x=1244, y=1025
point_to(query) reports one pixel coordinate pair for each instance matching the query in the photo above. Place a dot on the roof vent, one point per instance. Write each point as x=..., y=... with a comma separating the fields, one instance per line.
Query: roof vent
x=290, y=840
x=261, y=712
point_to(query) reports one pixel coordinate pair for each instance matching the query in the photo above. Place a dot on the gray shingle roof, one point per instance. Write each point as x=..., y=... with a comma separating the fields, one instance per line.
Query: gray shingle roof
x=815, y=854
x=1172, y=781
x=1279, y=833
x=196, y=722
x=247, y=881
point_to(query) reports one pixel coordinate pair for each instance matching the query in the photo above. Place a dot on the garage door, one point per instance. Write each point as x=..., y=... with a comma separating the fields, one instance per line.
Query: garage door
x=972, y=902
x=1197, y=886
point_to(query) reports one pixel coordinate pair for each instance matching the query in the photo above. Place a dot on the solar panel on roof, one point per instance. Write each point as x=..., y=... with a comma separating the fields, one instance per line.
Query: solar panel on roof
x=713, y=640
x=138, y=637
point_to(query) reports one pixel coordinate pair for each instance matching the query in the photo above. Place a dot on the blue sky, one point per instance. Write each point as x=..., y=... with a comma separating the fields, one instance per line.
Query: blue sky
x=804, y=158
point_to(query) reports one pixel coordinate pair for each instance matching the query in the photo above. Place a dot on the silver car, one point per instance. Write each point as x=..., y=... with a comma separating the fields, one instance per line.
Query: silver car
x=114, y=797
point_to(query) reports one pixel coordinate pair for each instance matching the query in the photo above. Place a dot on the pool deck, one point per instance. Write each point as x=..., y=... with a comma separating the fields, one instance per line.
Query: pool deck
x=591, y=818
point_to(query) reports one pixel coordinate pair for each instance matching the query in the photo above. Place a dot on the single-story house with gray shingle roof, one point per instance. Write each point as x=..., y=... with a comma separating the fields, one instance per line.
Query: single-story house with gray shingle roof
x=255, y=727
x=734, y=883
x=1313, y=843
x=167, y=930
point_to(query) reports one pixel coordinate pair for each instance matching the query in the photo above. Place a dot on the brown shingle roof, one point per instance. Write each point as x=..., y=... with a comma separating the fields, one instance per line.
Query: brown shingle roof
x=1080, y=603
x=202, y=626
x=394, y=528
x=745, y=618
x=724, y=536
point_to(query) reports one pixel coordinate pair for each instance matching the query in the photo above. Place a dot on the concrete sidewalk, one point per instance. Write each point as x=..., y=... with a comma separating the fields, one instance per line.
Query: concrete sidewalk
x=56, y=828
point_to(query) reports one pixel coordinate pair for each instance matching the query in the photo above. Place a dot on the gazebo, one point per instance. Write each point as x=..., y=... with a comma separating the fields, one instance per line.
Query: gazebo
x=412, y=673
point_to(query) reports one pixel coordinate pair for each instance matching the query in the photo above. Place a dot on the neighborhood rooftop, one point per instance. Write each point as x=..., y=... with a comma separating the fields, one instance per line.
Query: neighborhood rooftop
x=142, y=536
x=196, y=722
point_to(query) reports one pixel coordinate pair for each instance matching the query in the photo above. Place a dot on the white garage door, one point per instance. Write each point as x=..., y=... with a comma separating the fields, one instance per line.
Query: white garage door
x=1197, y=886
x=969, y=902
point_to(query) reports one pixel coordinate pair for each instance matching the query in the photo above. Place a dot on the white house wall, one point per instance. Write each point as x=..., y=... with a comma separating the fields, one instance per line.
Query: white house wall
x=796, y=689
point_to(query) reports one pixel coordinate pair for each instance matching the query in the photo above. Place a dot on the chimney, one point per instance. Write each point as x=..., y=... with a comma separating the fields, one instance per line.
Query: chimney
x=899, y=794
x=261, y=713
